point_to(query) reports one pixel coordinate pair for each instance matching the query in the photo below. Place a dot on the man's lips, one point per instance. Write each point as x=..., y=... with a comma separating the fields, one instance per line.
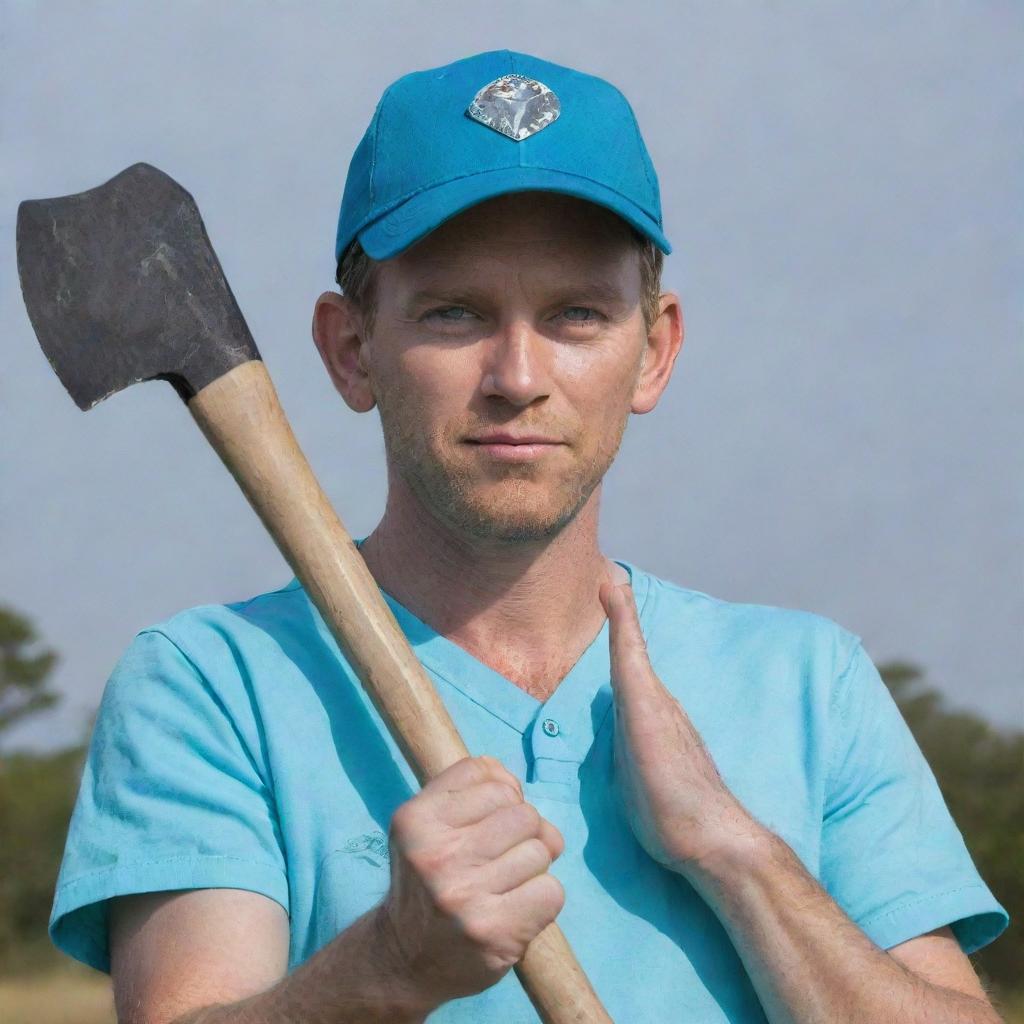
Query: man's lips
x=512, y=448
x=499, y=438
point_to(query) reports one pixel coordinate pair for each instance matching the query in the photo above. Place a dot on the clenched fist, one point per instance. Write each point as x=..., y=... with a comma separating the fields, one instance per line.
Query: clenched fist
x=470, y=887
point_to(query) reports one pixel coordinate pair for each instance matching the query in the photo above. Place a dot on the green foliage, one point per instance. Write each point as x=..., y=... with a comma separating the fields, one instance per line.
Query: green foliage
x=22, y=675
x=37, y=794
x=979, y=770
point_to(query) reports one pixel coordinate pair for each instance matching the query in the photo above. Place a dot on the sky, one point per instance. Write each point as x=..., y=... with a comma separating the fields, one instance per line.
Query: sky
x=841, y=185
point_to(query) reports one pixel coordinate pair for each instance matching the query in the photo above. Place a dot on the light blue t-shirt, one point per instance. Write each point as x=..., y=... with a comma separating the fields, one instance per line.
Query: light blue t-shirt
x=234, y=747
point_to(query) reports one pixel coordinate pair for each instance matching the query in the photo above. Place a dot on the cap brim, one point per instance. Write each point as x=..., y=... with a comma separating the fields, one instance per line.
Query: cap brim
x=422, y=213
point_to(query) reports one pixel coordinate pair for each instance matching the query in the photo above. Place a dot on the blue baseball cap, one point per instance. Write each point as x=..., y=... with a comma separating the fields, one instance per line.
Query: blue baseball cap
x=444, y=139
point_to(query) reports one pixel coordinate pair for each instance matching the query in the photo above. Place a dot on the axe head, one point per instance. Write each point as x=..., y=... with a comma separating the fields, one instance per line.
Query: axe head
x=122, y=285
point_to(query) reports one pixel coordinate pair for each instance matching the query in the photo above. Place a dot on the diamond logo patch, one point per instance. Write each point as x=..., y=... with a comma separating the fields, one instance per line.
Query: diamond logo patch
x=515, y=105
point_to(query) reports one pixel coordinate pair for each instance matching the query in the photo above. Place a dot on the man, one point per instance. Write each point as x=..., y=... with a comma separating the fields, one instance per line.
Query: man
x=719, y=802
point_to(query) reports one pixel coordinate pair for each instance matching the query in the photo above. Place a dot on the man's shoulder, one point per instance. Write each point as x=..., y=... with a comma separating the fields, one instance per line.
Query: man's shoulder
x=212, y=655
x=271, y=614
x=745, y=628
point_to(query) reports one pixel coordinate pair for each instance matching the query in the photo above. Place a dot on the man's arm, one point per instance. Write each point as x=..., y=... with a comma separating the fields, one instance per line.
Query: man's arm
x=937, y=957
x=808, y=961
x=470, y=889
x=219, y=956
x=175, y=950
x=811, y=964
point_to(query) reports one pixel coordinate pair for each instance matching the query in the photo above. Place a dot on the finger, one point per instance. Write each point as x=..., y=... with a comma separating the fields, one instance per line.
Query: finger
x=524, y=861
x=507, y=827
x=551, y=838
x=471, y=771
x=458, y=808
x=630, y=664
x=537, y=902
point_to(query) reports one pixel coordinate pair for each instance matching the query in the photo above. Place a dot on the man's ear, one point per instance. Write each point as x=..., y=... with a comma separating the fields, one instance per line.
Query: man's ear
x=664, y=340
x=338, y=333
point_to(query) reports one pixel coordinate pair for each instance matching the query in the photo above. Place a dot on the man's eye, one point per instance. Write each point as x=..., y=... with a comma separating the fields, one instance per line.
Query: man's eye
x=461, y=314
x=445, y=314
x=589, y=316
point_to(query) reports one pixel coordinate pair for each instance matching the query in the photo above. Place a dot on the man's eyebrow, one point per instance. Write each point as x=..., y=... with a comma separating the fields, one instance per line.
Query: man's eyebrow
x=593, y=291
x=439, y=293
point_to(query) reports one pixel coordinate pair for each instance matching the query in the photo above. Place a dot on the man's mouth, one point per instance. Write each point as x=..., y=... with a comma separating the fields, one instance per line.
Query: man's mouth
x=512, y=448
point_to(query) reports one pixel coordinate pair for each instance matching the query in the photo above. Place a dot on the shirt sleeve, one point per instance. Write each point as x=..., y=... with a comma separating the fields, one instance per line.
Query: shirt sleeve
x=892, y=856
x=173, y=795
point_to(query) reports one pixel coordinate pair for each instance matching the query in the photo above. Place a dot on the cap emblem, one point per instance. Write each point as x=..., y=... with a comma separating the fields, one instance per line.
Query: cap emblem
x=515, y=106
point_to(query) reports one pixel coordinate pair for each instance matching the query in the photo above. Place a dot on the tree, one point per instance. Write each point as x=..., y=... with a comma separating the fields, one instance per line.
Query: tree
x=37, y=793
x=22, y=674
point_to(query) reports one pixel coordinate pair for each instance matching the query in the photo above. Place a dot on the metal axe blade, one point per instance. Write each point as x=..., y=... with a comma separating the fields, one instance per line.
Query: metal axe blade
x=122, y=285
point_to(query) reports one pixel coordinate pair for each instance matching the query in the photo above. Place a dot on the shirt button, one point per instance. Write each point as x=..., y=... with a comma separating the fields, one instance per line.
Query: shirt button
x=550, y=726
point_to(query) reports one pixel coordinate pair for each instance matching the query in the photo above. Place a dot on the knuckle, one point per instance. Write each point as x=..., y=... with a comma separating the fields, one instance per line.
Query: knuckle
x=501, y=795
x=403, y=822
x=427, y=861
x=510, y=793
x=552, y=831
x=464, y=772
x=450, y=900
x=466, y=763
x=538, y=852
x=487, y=766
x=478, y=931
x=530, y=816
x=557, y=840
x=491, y=768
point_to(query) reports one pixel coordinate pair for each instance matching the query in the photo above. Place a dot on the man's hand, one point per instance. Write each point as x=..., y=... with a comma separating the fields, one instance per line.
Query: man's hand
x=470, y=887
x=679, y=808
x=807, y=960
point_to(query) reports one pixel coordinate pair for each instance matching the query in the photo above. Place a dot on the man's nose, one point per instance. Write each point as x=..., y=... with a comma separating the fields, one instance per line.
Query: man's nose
x=516, y=364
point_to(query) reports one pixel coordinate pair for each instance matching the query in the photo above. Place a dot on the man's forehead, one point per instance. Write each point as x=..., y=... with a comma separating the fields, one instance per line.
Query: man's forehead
x=583, y=270
x=518, y=256
x=579, y=287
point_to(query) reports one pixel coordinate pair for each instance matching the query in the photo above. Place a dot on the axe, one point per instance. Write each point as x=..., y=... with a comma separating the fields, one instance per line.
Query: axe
x=122, y=285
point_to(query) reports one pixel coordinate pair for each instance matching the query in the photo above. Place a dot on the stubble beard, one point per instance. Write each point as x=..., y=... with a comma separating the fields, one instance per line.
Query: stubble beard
x=512, y=511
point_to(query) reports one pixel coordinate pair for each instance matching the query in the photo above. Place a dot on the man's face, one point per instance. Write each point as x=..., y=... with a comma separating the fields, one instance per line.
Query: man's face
x=521, y=315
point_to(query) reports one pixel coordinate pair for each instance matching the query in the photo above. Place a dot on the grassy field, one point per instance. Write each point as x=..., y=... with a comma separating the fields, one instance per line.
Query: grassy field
x=74, y=994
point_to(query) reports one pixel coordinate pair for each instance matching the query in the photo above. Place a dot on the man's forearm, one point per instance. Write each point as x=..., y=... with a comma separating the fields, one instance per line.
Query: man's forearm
x=357, y=978
x=809, y=963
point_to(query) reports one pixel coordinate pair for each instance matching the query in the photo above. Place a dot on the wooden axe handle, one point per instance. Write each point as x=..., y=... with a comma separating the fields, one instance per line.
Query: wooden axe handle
x=243, y=420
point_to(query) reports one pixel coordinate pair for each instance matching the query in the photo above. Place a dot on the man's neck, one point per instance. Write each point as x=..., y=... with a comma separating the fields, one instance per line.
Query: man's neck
x=528, y=610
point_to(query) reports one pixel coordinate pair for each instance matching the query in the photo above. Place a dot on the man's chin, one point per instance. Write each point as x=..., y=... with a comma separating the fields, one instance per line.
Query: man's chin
x=513, y=523
x=510, y=510
x=507, y=532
